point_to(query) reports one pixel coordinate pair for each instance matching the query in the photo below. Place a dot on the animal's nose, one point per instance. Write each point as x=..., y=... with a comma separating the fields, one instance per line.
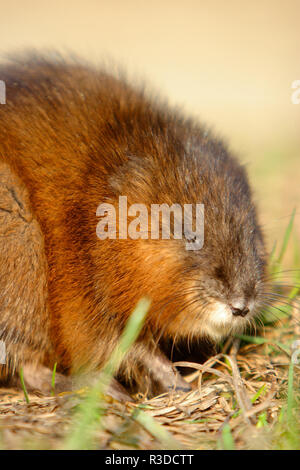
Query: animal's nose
x=240, y=312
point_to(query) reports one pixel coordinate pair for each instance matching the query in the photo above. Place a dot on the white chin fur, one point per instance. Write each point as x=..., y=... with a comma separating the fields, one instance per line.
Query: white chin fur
x=219, y=322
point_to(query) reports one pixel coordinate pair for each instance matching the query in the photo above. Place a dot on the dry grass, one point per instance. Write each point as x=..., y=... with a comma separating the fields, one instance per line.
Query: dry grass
x=236, y=402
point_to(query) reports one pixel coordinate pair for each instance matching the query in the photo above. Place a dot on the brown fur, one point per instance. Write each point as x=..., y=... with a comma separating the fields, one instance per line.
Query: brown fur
x=74, y=137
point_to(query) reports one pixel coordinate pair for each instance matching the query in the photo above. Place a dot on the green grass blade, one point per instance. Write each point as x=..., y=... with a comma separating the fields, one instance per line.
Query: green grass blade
x=262, y=420
x=273, y=254
x=21, y=373
x=131, y=332
x=53, y=380
x=92, y=408
x=286, y=237
x=258, y=393
x=260, y=340
x=290, y=397
x=227, y=439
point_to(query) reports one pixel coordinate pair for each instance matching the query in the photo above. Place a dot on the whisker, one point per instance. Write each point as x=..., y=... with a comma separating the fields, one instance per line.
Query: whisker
x=269, y=306
x=285, y=302
x=281, y=296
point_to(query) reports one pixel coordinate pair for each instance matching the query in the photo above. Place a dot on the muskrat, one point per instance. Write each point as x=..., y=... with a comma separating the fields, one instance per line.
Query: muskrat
x=72, y=137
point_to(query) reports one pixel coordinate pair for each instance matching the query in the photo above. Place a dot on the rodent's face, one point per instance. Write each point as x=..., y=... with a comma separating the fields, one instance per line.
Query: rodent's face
x=227, y=283
x=212, y=292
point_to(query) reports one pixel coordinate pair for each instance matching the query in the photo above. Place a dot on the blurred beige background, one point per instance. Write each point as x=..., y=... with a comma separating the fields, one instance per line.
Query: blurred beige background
x=232, y=63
